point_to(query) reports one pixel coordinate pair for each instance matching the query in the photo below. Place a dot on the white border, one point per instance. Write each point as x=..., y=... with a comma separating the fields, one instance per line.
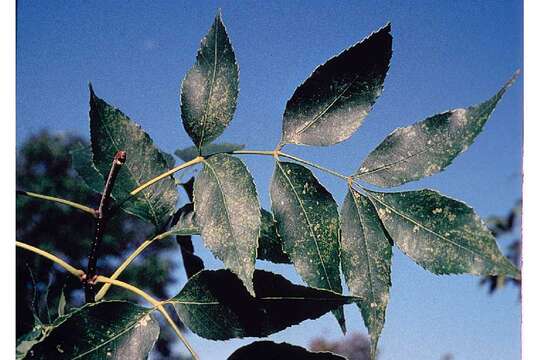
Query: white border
x=7, y=180
x=531, y=183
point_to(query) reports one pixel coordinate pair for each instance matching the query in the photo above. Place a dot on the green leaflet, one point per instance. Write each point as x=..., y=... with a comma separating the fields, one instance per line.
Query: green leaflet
x=228, y=213
x=427, y=147
x=210, y=88
x=81, y=160
x=103, y=330
x=272, y=350
x=308, y=223
x=443, y=235
x=366, y=258
x=216, y=305
x=333, y=102
x=270, y=244
x=192, y=152
x=111, y=131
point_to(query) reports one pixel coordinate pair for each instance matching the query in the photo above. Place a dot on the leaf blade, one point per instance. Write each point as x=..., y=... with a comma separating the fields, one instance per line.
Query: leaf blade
x=418, y=222
x=111, y=329
x=234, y=313
x=111, y=131
x=308, y=224
x=366, y=256
x=210, y=88
x=223, y=188
x=428, y=146
x=332, y=103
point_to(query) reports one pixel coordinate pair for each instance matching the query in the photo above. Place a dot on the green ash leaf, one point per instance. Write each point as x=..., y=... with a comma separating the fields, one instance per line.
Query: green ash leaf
x=216, y=305
x=441, y=234
x=334, y=101
x=228, y=214
x=81, y=160
x=111, y=131
x=427, y=147
x=308, y=224
x=366, y=258
x=210, y=88
x=103, y=330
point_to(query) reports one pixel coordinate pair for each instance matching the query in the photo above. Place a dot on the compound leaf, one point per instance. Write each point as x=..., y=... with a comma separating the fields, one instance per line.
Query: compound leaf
x=333, y=102
x=366, y=257
x=441, y=234
x=103, y=330
x=111, y=131
x=308, y=224
x=192, y=152
x=272, y=350
x=216, y=305
x=427, y=147
x=210, y=88
x=228, y=213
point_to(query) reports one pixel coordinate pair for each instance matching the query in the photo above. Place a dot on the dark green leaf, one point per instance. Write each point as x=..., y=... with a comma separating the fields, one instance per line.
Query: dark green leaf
x=192, y=152
x=443, y=235
x=228, y=213
x=112, y=131
x=210, y=88
x=81, y=159
x=427, y=147
x=216, y=305
x=104, y=330
x=308, y=223
x=366, y=257
x=333, y=102
x=270, y=243
x=268, y=350
x=25, y=342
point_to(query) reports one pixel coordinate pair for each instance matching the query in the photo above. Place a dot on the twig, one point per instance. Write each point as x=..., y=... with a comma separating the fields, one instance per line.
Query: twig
x=101, y=221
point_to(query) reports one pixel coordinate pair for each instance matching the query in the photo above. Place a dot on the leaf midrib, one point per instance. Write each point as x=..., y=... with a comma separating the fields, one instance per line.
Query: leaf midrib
x=211, y=90
x=328, y=107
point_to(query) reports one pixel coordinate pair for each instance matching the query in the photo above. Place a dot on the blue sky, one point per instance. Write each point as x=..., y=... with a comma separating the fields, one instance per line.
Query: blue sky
x=447, y=54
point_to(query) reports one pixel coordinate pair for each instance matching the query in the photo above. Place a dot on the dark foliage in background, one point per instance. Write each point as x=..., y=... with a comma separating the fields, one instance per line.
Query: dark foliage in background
x=44, y=166
x=504, y=228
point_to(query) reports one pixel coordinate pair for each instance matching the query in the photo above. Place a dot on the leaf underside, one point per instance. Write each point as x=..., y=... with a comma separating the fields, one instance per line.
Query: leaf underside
x=441, y=234
x=210, y=88
x=112, y=131
x=104, y=330
x=333, y=102
x=269, y=350
x=228, y=214
x=366, y=257
x=427, y=147
x=308, y=224
x=216, y=305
